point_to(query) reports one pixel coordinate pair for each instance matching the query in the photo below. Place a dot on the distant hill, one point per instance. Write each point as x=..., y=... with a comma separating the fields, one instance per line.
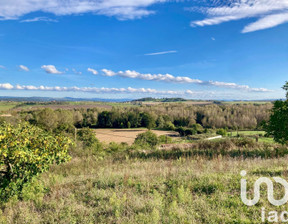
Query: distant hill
x=50, y=99
x=151, y=99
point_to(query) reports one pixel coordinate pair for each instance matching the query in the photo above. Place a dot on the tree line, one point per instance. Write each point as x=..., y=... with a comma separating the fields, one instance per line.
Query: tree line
x=163, y=116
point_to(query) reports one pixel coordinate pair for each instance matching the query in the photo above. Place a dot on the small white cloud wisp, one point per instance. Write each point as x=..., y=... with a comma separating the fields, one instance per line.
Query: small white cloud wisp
x=50, y=69
x=93, y=71
x=24, y=68
x=39, y=19
x=160, y=53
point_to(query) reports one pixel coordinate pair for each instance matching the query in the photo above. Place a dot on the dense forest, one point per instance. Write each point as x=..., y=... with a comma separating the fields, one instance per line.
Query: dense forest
x=163, y=116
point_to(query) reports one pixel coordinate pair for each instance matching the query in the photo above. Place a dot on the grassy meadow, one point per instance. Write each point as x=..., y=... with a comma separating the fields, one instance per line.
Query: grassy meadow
x=125, y=187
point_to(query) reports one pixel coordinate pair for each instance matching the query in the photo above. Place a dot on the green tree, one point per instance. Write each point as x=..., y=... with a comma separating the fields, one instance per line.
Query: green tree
x=148, y=121
x=160, y=122
x=47, y=119
x=25, y=152
x=285, y=87
x=277, y=126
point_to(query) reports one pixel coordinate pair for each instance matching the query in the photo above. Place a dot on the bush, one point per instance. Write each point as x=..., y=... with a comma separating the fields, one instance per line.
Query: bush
x=169, y=126
x=164, y=139
x=88, y=137
x=147, y=138
x=221, y=131
x=25, y=152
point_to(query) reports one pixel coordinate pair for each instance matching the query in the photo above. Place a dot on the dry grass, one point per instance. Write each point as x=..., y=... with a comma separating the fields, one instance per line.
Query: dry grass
x=136, y=191
x=126, y=135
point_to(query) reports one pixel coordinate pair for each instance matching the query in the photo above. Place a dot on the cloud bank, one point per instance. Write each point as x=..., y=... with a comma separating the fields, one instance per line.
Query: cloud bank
x=8, y=86
x=126, y=9
x=179, y=79
x=269, y=13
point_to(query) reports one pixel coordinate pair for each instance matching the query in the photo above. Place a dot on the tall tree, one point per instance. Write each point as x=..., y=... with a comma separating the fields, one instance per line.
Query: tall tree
x=278, y=123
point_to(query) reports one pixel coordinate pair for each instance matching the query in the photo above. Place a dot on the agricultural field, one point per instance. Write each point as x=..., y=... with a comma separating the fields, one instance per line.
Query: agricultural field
x=127, y=135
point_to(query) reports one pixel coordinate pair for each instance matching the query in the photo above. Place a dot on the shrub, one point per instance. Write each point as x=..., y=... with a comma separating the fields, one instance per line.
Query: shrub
x=25, y=152
x=88, y=137
x=169, y=126
x=147, y=138
x=221, y=131
x=164, y=139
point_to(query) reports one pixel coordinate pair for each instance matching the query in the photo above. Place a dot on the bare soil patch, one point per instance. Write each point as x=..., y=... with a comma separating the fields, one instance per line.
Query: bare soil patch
x=126, y=135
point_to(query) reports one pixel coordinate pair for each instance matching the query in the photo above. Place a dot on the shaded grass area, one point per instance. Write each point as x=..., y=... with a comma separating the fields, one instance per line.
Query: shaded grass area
x=5, y=106
x=235, y=148
x=105, y=189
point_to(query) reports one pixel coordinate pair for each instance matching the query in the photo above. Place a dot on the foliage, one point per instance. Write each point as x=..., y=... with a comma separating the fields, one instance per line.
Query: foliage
x=221, y=131
x=147, y=120
x=285, y=87
x=88, y=137
x=278, y=123
x=147, y=138
x=186, y=131
x=25, y=152
x=169, y=126
x=164, y=139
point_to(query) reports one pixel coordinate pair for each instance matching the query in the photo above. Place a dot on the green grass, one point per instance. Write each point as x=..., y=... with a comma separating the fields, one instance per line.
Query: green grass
x=112, y=189
x=5, y=106
x=247, y=133
x=254, y=133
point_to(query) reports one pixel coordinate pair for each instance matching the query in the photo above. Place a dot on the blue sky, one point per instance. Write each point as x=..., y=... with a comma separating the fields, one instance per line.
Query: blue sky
x=232, y=49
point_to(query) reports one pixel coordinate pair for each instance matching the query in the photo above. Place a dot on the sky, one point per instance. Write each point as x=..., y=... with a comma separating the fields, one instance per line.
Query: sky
x=210, y=49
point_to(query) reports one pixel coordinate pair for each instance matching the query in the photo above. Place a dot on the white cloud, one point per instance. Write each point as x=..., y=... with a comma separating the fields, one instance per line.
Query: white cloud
x=93, y=71
x=270, y=13
x=24, y=68
x=2, y=66
x=179, y=79
x=8, y=86
x=160, y=53
x=125, y=9
x=146, y=91
x=267, y=22
x=151, y=77
x=51, y=69
x=39, y=19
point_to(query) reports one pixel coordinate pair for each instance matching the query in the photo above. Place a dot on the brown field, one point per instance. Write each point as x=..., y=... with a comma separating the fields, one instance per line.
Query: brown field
x=126, y=135
x=64, y=107
x=185, y=102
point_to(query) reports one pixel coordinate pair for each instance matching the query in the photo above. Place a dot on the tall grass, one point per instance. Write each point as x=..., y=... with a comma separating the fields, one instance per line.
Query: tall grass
x=102, y=189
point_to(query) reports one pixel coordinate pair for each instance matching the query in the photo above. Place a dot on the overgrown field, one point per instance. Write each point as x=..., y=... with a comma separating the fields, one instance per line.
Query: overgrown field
x=118, y=188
